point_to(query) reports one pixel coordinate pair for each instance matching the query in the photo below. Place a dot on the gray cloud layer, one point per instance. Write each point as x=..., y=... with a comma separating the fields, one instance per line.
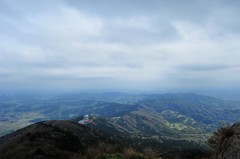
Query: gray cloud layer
x=119, y=44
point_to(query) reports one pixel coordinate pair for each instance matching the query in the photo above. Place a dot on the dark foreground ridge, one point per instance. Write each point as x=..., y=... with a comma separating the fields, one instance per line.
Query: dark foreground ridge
x=64, y=139
x=52, y=139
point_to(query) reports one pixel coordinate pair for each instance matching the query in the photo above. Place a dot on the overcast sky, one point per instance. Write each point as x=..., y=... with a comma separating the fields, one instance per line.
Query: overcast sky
x=119, y=44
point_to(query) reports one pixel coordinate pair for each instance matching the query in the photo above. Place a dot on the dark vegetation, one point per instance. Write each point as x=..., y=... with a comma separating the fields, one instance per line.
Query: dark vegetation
x=51, y=139
x=70, y=140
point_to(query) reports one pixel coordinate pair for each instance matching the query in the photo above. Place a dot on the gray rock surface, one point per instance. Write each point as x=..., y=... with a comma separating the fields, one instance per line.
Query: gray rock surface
x=230, y=148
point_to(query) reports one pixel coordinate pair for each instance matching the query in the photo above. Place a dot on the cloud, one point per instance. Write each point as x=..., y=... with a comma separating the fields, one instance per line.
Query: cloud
x=137, y=44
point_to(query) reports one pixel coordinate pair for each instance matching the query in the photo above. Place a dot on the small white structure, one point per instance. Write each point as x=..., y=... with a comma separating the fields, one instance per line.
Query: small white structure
x=86, y=116
x=85, y=120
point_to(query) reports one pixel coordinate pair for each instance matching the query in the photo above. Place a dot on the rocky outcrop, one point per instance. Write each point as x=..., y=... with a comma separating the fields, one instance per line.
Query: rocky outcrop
x=230, y=145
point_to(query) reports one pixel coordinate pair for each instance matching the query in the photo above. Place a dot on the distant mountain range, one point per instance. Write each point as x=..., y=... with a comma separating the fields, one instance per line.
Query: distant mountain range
x=165, y=115
x=144, y=114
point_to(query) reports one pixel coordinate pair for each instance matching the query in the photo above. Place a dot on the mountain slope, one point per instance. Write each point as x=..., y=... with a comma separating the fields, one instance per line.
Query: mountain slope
x=51, y=139
x=70, y=140
x=186, y=117
x=169, y=115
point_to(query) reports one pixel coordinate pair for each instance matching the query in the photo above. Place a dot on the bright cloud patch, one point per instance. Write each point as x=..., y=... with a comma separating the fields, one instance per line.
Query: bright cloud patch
x=92, y=47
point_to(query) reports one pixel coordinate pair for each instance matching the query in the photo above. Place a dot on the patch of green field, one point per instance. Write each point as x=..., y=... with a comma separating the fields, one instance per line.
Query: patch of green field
x=21, y=121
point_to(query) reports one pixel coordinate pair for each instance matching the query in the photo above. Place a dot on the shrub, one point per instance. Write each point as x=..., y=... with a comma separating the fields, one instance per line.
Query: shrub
x=150, y=153
x=216, y=140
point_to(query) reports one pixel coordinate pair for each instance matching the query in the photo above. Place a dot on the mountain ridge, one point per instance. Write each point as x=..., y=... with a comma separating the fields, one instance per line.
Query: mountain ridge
x=70, y=140
x=56, y=139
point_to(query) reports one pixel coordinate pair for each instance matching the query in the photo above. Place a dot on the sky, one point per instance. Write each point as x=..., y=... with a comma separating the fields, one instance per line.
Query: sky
x=112, y=44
